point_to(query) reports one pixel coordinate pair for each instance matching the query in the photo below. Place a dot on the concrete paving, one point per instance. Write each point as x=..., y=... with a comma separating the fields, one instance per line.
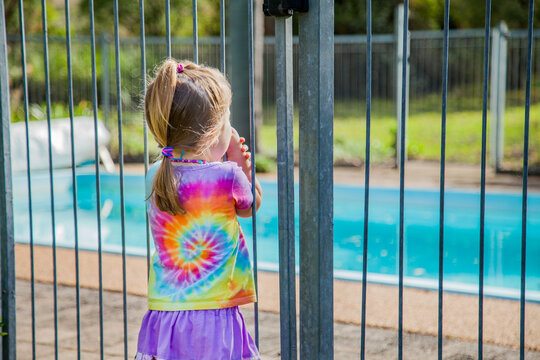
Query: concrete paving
x=380, y=343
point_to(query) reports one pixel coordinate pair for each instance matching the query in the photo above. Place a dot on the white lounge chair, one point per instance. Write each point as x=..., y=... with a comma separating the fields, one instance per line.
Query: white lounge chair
x=61, y=144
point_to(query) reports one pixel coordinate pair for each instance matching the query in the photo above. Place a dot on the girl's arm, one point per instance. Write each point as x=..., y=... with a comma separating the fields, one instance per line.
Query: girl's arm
x=258, y=200
x=238, y=153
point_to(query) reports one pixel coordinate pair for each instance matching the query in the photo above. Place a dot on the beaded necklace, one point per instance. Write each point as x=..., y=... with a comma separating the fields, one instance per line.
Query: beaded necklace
x=168, y=152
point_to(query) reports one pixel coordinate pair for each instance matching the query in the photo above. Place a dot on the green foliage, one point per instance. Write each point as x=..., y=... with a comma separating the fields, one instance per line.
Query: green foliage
x=429, y=14
x=58, y=110
x=349, y=16
x=471, y=13
x=154, y=14
x=129, y=17
x=3, y=333
x=32, y=15
x=264, y=164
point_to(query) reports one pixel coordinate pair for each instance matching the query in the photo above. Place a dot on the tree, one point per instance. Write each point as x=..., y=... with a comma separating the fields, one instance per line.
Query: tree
x=154, y=14
x=32, y=17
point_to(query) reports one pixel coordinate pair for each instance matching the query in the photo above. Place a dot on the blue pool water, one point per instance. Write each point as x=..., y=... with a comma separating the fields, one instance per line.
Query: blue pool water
x=421, y=220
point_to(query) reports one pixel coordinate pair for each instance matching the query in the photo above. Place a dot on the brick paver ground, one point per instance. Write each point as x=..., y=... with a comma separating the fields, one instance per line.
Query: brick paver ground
x=381, y=343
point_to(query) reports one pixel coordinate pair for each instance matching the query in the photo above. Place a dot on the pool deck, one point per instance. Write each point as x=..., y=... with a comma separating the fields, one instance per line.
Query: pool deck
x=501, y=317
x=426, y=174
x=418, y=175
x=381, y=344
x=420, y=306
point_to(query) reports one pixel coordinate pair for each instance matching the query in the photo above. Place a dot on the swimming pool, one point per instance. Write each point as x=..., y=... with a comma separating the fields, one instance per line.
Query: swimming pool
x=421, y=220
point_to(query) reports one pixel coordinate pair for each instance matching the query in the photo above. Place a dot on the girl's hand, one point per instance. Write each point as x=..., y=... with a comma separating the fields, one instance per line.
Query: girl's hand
x=238, y=152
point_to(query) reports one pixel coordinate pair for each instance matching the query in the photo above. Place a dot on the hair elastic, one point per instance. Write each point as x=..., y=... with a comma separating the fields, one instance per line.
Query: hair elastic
x=179, y=68
x=167, y=152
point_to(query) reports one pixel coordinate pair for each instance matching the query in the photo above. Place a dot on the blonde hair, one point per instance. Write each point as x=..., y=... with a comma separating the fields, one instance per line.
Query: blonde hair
x=183, y=110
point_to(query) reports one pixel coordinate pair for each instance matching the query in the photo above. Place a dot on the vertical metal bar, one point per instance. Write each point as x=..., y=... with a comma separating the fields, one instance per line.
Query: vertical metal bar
x=483, y=182
x=28, y=176
x=168, y=26
x=7, y=252
x=222, y=33
x=121, y=163
x=105, y=78
x=402, y=173
x=442, y=179
x=366, y=180
x=238, y=14
x=195, y=34
x=501, y=89
x=145, y=126
x=73, y=177
x=316, y=100
x=499, y=59
x=494, y=98
x=525, y=178
x=222, y=41
x=398, y=36
x=253, y=147
x=98, y=182
x=285, y=141
x=402, y=62
x=51, y=180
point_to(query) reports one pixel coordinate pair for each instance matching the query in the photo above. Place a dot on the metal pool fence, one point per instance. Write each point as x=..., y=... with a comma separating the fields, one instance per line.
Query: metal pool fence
x=316, y=101
x=465, y=83
x=507, y=75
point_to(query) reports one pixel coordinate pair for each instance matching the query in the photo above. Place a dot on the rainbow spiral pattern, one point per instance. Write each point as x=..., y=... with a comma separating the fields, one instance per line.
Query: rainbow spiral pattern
x=201, y=259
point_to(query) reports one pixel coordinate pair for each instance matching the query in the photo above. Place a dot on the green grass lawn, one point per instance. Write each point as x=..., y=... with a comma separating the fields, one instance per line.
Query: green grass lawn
x=463, y=140
x=463, y=137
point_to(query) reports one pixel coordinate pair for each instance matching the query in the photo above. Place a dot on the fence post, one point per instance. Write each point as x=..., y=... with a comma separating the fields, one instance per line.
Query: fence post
x=105, y=76
x=398, y=41
x=316, y=105
x=499, y=62
x=237, y=18
x=7, y=254
x=284, y=132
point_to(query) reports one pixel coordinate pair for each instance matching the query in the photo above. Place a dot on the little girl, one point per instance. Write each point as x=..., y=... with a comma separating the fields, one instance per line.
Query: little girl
x=200, y=272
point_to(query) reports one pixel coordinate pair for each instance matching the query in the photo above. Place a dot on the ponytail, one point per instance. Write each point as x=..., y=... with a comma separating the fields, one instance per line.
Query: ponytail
x=165, y=189
x=159, y=99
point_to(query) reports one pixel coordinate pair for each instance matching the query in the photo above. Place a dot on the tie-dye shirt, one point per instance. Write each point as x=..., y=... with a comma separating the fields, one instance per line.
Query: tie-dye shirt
x=201, y=259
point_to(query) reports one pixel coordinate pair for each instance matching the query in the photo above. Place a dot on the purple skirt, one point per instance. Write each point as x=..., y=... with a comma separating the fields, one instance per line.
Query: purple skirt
x=216, y=334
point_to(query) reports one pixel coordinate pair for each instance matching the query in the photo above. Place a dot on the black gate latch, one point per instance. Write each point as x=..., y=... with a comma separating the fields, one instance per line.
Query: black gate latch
x=284, y=7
